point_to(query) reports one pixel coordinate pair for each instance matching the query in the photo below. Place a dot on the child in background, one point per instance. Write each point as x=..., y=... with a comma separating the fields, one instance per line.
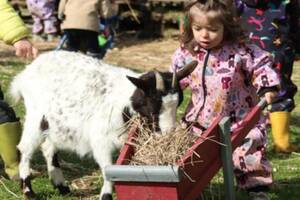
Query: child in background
x=108, y=23
x=45, y=22
x=14, y=32
x=80, y=24
x=230, y=76
x=273, y=25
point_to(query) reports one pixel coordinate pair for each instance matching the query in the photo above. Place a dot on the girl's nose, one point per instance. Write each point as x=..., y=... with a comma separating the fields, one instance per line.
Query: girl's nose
x=204, y=33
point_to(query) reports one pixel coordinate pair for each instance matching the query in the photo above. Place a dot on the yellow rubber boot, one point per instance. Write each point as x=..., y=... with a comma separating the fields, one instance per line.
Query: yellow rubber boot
x=10, y=134
x=280, y=123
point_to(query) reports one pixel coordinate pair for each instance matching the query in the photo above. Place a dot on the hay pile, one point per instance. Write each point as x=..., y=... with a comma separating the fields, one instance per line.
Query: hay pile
x=158, y=149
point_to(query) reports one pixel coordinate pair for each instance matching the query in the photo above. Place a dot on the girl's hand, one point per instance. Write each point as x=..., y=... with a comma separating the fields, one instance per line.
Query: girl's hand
x=269, y=96
x=25, y=49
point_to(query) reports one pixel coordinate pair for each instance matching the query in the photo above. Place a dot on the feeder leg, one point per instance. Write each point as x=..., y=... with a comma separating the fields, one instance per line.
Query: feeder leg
x=226, y=153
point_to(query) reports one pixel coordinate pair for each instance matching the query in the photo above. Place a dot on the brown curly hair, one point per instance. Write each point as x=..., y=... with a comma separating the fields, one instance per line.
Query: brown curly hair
x=225, y=14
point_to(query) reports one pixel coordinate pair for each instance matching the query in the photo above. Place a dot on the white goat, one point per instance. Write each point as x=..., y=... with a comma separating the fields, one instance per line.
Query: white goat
x=78, y=103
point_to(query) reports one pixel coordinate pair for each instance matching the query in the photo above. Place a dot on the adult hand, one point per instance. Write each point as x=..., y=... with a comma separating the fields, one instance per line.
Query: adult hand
x=25, y=49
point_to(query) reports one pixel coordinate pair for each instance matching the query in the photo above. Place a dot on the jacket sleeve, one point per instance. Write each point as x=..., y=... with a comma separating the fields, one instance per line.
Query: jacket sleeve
x=258, y=63
x=12, y=28
x=61, y=9
x=179, y=60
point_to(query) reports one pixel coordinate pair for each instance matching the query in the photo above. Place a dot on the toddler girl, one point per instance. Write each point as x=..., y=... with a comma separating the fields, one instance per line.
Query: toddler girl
x=230, y=75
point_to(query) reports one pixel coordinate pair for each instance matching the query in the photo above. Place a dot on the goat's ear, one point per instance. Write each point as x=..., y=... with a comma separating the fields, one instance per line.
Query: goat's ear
x=186, y=70
x=139, y=83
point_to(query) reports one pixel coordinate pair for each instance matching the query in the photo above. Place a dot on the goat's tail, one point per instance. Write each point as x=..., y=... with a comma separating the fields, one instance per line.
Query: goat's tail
x=15, y=90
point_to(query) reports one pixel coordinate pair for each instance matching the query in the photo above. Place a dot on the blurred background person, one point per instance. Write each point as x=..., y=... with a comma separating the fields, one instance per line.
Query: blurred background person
x=274, y=26
x=80, y=23
x=45, y=22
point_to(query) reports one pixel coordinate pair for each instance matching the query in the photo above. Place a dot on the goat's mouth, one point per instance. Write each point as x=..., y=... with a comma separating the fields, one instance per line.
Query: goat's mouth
x=153, y=125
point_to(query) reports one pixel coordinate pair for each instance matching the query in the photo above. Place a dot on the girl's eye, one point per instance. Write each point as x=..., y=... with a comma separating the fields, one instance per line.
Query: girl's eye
x=196, y=28
x=213, y=29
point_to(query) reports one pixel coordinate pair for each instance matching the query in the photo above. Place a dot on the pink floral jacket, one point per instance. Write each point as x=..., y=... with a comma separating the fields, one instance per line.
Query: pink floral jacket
x=232, y=78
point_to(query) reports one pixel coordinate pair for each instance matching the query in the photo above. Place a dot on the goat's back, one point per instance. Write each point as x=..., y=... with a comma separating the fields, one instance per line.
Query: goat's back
x=62, y=74
x=71, y=87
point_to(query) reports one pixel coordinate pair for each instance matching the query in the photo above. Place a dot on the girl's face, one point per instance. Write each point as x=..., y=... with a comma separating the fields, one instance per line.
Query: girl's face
x=207, y=30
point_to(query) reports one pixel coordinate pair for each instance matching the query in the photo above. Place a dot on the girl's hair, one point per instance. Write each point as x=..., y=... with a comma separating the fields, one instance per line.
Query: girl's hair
x=225, y=14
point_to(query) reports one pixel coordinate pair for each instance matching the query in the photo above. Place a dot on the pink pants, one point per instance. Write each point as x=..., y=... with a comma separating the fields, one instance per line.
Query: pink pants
x=251, y=167
x=43, y=14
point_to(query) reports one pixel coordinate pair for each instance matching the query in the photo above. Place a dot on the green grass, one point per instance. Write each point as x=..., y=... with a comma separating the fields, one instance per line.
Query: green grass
x=286, y=168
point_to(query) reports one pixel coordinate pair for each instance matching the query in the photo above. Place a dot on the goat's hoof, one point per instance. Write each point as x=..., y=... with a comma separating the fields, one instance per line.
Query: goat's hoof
x=63, y=190
x=29, y=195
x=106, y=196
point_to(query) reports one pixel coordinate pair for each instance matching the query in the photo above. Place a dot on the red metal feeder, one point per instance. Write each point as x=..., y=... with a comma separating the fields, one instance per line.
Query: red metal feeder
x=184, y=181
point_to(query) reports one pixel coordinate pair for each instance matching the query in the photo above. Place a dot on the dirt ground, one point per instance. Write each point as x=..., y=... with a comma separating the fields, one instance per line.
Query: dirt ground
x=128, y=52
x=143, y=54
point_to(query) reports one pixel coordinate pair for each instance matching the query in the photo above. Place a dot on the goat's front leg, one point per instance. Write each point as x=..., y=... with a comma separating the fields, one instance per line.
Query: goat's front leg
x=54, y=171
x=103, y=156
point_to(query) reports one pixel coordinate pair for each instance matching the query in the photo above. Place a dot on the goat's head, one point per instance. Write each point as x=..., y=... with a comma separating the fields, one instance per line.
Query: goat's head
x=158, y=95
